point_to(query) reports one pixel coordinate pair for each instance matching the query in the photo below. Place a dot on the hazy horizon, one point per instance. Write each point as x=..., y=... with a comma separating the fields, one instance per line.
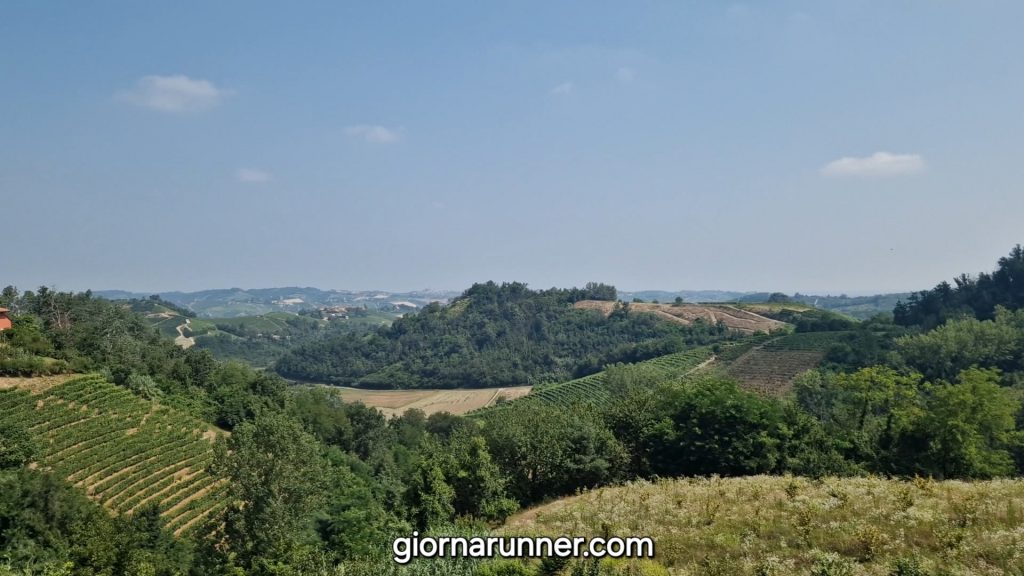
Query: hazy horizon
x=858, y=147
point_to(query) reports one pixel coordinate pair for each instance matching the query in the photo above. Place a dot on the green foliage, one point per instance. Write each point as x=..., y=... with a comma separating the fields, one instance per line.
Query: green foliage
x=50, y=528
x=710, y=426
x=17, y=446
x=277, y=482
x=571, y=450
x=491, y=336
x=126, y=451
x=976, y=297
x=605, y=388
x=897, y=424
x=959, y=344
x=970, y=427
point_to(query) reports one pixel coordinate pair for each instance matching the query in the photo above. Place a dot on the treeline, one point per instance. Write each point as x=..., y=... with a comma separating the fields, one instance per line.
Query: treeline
x=60, y=331
x=493, y=335
x=976, y=297
x=320, y=487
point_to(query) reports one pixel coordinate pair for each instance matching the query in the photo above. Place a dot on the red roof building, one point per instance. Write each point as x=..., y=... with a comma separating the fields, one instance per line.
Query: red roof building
x=5, y=321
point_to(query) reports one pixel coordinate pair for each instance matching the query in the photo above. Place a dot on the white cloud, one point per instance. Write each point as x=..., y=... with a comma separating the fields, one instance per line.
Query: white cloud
x=374, y=134
x=252, y=176
x=625, y=75
x=177, y=93
x=562, y=89
x=879, y=164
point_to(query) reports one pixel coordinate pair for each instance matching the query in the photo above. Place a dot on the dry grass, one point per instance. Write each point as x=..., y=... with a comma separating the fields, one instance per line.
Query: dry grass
x=763, y=525
x=35, y=384
x=460, y=401
x=733, y=317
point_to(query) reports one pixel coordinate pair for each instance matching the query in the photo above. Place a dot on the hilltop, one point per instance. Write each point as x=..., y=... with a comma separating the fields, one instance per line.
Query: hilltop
x=496, y=336
x=732, y=317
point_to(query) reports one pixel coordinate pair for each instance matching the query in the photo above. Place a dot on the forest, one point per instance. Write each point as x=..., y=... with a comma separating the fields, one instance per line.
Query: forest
x=493, y=335
x=318, y=486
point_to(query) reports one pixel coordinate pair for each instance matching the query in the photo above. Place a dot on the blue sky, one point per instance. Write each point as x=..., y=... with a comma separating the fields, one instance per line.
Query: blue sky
x=848, y=146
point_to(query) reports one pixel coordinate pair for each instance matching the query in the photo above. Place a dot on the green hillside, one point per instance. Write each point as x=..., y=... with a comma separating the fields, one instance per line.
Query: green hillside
x=495, y=336
x=123, y=451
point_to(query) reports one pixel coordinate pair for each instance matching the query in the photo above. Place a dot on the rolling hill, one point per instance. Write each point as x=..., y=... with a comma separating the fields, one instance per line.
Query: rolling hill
x=732, y=317
x=122, y=451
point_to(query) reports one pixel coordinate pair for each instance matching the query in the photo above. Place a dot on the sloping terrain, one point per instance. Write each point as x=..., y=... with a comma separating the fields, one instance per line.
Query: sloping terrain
x=761, y=525
x=736, y=319
x=770, y=367
x=595, y=390
x=123, y=451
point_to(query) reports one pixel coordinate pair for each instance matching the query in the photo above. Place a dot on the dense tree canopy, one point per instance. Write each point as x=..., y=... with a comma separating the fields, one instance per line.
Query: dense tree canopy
x=493, y=335
x=968, y=296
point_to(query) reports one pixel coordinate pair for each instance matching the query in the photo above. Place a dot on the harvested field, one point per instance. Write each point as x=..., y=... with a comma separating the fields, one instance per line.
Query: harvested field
x=460, y=401
x=733, y=317
x=34, y=384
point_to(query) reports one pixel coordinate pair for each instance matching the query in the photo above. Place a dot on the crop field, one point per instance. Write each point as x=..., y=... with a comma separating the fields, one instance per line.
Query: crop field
x=396, y=402
x=807, y=341
x=771, y=367
x=735, y=318
x=592, y=388
x=776, y=525
x=123, y=451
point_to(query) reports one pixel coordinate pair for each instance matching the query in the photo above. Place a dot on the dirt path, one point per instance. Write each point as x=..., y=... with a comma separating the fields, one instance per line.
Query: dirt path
x=182, y=340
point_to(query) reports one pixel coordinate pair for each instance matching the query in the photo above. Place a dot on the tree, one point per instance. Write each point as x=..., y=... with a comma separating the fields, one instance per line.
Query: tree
x=970, y=427
x=278, y=481
x=478, y=483
x=429, y=496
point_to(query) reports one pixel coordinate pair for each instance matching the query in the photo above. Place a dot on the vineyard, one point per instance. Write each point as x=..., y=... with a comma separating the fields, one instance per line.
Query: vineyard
x=123, y=451
x=592, y=389
x=771, y=367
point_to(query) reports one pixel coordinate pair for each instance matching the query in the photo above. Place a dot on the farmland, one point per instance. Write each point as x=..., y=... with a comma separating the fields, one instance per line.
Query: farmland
x=123, y=451
x=771, y=366
x=789, y=525
x=737, y=319
x=593, y=389
x=396, y=402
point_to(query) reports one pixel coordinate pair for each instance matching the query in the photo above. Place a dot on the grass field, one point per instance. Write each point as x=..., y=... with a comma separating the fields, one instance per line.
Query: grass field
x=123, y=451
x=396, y=402
x=777, y=526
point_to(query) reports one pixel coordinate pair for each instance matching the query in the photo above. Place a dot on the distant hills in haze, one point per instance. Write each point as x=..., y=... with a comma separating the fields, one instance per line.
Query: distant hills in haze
x=234, y=302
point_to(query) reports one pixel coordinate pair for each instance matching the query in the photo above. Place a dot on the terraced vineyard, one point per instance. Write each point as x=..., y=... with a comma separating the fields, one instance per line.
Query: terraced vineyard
x=771, y=367
x=593, y=389
x=125, y=452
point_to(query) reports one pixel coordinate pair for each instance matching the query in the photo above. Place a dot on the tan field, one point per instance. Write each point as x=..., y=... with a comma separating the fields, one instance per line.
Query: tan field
x=733, y=317
x=460, y=401
x=777, y=525
x=35, y=384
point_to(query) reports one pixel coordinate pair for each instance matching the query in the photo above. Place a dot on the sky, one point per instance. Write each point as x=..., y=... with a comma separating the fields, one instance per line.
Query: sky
x=848, y=146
